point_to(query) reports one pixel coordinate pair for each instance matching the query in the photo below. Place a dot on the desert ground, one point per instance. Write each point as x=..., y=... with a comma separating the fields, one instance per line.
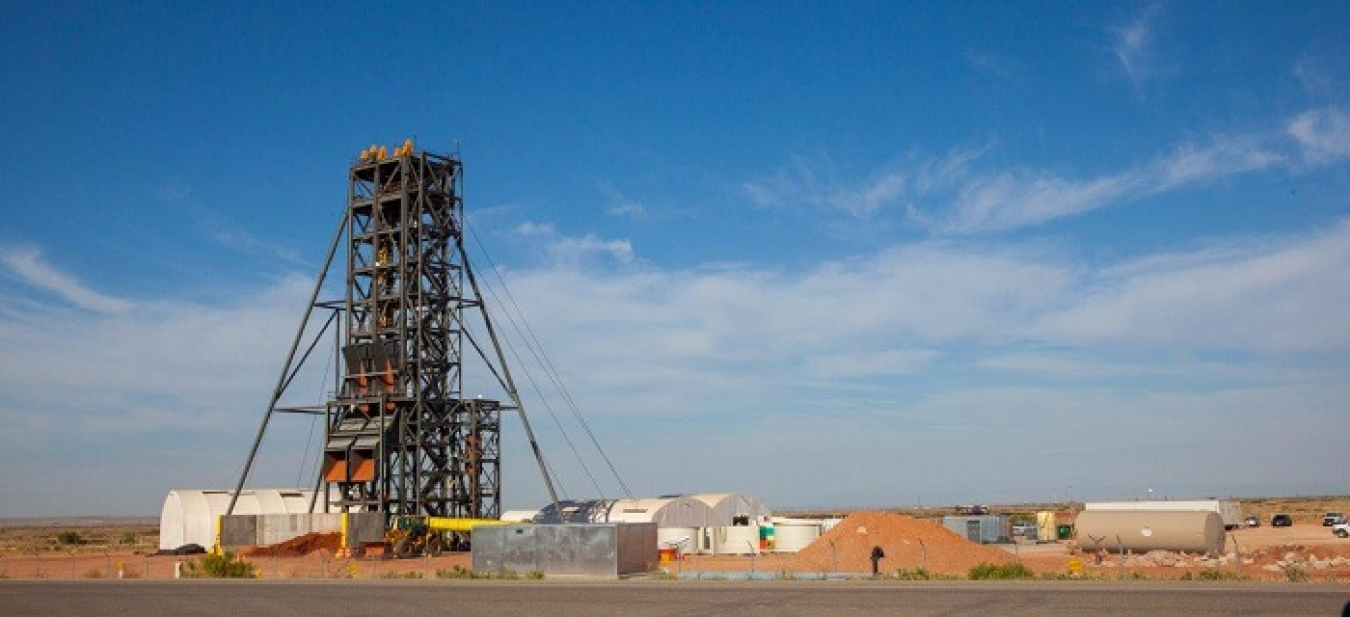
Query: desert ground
x=915, y=546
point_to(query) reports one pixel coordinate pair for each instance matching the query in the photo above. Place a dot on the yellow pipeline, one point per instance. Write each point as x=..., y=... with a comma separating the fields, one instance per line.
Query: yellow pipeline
x=445, y=523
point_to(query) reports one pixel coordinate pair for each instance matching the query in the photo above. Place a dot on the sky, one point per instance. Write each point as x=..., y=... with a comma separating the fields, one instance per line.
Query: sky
x=831, y=254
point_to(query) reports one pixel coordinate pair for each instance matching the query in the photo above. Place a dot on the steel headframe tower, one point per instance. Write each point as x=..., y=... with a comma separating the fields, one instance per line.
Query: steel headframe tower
x=402, y=436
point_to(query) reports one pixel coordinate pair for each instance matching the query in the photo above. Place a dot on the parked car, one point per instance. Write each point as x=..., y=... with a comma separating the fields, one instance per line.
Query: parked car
x=1026, y=530
x=1332, y=518
x=1281, y=520
x=1252, y=521
x=1342, y=530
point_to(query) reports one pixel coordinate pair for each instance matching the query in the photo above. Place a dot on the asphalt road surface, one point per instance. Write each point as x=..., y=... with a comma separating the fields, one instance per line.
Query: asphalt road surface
x=561, y=599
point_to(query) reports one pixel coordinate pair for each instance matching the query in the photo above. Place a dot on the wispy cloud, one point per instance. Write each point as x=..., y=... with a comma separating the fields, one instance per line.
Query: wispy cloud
x=1322, y=134
x=989, y=64
x=26, y=263
x=1132, y=45
x=955, y=195
x=572, y=251
x=245, y=242
x=814, y=181
x=1223, y=156
x=620, y=204
x=1269, y=297
x=898, y=312
x=227, y=233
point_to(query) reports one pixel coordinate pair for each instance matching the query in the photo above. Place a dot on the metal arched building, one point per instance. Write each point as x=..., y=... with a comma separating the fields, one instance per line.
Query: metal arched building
x=701, y=510
x=189, y=516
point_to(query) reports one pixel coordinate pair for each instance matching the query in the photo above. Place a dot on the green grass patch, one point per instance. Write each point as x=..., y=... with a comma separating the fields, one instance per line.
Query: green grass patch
x=1005, y=571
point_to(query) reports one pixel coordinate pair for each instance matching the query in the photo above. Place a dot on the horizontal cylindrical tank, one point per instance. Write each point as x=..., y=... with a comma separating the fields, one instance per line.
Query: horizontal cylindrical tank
x=792, y=538
x=1143, y=531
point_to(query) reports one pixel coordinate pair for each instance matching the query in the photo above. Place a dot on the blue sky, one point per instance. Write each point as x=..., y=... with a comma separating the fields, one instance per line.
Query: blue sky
x=871, y=254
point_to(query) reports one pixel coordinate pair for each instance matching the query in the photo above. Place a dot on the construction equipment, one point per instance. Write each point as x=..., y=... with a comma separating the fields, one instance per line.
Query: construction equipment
x=413, y=536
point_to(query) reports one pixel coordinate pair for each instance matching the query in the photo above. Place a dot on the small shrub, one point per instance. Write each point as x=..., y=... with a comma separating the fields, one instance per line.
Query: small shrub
x=917, y=574
x=129, y=538
x=224, y=565
x=1296, y=574
x=1211, y=574
x=992, y=571
x=534, y=575
x=411, y=574
x=69, y=538
x=457, y=572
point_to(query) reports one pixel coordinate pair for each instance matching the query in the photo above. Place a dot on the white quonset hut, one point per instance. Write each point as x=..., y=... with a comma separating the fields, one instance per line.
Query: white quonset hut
x=735, y=509
x=189, y=516
x=667, y=511
x=707, y=522
x=702, y=510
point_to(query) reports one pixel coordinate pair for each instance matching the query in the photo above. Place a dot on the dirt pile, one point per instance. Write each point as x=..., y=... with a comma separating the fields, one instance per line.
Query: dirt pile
x=298, y=546
x=907, y=542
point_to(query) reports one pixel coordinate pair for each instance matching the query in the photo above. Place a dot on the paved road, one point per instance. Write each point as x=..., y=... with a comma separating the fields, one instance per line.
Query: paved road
x=561, y=599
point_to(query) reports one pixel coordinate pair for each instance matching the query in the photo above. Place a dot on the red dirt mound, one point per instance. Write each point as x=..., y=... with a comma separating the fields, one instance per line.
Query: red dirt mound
x=908, y=543
x=298, y=546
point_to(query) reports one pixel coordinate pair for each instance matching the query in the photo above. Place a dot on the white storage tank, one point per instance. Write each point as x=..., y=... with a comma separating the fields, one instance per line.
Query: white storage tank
x=795, y=536
x=1142, y=531
x=189, y=516
x=736, y=540
x=1046, y=526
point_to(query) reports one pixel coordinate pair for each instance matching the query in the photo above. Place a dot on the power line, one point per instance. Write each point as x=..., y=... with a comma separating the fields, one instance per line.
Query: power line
x=541, y=358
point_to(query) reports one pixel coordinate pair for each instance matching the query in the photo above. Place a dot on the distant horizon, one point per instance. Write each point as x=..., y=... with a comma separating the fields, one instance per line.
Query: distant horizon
x=88, y=520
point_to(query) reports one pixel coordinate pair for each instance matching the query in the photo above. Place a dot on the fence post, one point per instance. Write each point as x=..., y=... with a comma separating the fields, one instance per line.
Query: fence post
x=1120, y=546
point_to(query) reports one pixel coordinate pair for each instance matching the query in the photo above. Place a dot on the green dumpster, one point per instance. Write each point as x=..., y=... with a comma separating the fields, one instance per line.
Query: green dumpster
x=1065, y=531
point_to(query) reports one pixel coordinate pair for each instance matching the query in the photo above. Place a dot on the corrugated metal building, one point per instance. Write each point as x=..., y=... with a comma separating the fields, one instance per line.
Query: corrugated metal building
x=189, y=516
x=985, y=529
x=701, y=510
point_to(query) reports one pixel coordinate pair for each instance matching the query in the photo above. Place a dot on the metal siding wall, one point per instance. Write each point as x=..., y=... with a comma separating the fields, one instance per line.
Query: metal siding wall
x=578, y=550
x=238, y=530
x=637, y=548
x=365, y=527
x=489, y=547
x=519, y=549
x=604, y=550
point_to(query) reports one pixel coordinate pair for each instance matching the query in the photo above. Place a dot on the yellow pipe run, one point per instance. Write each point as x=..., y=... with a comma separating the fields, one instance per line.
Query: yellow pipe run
x=445, y=523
